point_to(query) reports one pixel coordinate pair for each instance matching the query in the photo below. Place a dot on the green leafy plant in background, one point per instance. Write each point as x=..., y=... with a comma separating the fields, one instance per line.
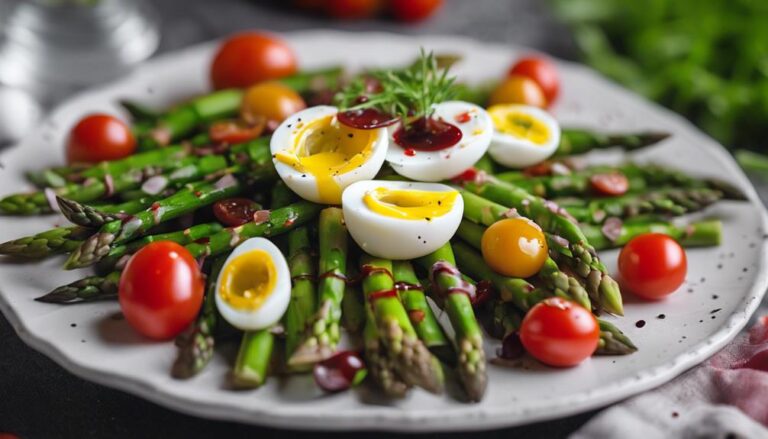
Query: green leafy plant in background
x=707, y=60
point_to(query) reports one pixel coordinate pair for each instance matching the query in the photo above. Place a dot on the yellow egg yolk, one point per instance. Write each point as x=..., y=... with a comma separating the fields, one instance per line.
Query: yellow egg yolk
x=325, y=149
x=248, y=280
x=510, y=121
x=514, y=247
x=409, y=204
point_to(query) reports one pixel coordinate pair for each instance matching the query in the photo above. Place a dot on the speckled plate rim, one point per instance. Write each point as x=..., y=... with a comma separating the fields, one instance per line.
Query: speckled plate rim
x=463, y=417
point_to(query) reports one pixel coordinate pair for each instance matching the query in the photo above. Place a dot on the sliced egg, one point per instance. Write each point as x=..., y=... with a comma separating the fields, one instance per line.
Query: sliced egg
x=317, y=157
x=422, y=165
x=400, y=219
x=254, y=286
x=524, y=135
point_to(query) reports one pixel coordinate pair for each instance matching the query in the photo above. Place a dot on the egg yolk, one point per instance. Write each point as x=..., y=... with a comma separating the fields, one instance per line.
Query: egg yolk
x=409, y=204
x=514, y=247
x=248, y=280
x=510, y=121
x=325, y=149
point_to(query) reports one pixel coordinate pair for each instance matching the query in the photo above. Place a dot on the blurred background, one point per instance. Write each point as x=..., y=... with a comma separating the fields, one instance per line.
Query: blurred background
x=707, y=60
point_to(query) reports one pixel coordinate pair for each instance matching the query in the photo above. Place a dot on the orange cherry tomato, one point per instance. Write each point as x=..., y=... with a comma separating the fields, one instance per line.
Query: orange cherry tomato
x=611, y=184
x=652, y=265
x=559, y=332
x=272, y=101
x=542, y=71
x=352, y=9
x=518, y=90
x=235, y=131
x=99, y=137
x=414, y=10
x=514, y=247
x=251, y=57
x=161, y=290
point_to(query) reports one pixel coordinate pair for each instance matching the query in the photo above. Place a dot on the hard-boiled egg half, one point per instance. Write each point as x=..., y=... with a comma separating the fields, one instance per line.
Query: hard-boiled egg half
x=444, y=161
x=317, y=157
x=399, y=219
x=524, y=135
x=254, y=286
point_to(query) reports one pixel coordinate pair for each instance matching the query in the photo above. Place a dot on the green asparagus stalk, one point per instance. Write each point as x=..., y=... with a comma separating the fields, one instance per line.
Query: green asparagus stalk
x=92, y=217
x=419, y=312
x=567, y=242
x=322, y=336
x=66, y=239
x=697, y=234
x=253, y=359
x=302, y=306
x=576, y=141
x=195, y=346
x=88, y=289
x=115, y=232
x=352, y=305
x=555, y=280
x=658, y=203
x=613, y=341
x=453, y=293
x=411, y=358
x=280, y=221
x=380, y=365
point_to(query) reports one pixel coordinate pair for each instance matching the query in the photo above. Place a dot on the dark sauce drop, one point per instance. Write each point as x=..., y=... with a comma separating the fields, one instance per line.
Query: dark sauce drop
x=427, y=134
x=366, y=119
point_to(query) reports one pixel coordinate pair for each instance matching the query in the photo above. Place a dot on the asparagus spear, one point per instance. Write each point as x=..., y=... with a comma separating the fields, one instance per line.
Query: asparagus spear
x=93, y=217
x=576, y=141
x=322, y=334
x=411, y=358
x=555, y=280
x=115, y=232
x=352, y=305
x=280, y=221
x=662, y=202
x=302, y=306
x=613, y=341
x=196, y=344
x=379, y=363
x=453, y=292
x=419, y=312
x=566, y=241
x=66, y=239
x=698, y=234
x=253, y=359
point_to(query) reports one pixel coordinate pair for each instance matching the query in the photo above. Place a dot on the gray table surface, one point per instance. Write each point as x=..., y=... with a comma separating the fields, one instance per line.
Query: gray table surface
x=39, y=399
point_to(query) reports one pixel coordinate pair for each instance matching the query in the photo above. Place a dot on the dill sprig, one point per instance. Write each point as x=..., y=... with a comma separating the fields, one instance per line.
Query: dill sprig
x=408, y=94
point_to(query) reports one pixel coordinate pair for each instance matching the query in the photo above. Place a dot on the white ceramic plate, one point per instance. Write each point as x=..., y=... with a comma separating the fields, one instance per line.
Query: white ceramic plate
x=723, y=288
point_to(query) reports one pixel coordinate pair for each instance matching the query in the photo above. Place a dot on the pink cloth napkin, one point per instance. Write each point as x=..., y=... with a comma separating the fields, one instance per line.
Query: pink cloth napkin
x=725, y=397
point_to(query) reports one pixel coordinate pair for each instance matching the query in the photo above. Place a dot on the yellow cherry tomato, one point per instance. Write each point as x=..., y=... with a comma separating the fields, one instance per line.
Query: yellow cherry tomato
x=514, y=247
x=270, y=100
x=518, y=90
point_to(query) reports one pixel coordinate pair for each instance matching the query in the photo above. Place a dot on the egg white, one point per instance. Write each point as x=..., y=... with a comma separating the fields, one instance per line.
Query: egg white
x=305, y=184
x=398, y=238
x=451, y=161
x=274, y=306
x=516, y=152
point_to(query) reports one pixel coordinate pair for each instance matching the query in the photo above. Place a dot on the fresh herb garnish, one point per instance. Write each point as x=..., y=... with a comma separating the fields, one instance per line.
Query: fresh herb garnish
x=409, y=94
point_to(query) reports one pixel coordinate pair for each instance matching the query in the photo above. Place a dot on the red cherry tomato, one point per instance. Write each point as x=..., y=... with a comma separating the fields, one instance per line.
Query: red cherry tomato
x=559, y=333
x=542, y=71
x=612, y=184
x=232, y=131
x=352, y=9
x=251, y=57
x=99, y=137
x=652, y=265
x=235, y=212
x=161, y=290
x=414, y=10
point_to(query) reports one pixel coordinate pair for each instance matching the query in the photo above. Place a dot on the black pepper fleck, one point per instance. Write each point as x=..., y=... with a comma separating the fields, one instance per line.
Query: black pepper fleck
x=350, y=135
x=73, y=325
x=715, y=310
x=640, y=323
x=675, y=414
x=715, y=297
x=661, y=316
